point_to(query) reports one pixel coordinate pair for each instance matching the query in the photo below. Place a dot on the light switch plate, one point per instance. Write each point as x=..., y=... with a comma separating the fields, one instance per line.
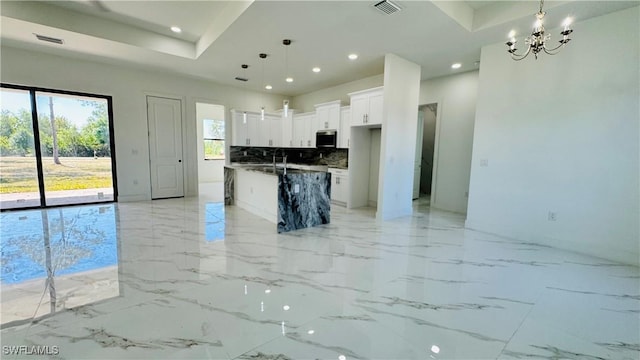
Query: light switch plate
x=296, y=188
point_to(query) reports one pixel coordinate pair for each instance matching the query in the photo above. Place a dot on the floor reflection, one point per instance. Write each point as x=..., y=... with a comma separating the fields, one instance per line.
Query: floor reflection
x=214, y=221
x=56, y=259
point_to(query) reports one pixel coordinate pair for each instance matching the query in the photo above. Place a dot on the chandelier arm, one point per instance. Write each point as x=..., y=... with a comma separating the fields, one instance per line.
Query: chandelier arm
x=517, y=57
x=553, y=51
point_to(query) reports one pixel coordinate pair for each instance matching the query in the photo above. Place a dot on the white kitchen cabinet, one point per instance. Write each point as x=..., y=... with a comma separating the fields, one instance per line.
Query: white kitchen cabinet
x=287, y=130
x=327, y=116
x=238, y=129
x=366, y=107
x=302, y=127
x=244, y=132
x=339, y=186
x=270, y=130
x=344, y=133
x=255, y=131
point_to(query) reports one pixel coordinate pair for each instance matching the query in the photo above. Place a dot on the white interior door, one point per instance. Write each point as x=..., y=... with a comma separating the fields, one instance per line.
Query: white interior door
x=418, y=159
x=165, y=147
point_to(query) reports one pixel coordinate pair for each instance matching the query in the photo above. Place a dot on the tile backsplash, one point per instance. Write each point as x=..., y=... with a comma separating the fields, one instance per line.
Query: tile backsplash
x=337, y=158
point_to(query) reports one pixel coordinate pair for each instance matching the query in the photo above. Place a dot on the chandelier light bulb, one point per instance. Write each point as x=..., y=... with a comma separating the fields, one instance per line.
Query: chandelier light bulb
x=567, y=22
x=512, y=34
x=537, y=25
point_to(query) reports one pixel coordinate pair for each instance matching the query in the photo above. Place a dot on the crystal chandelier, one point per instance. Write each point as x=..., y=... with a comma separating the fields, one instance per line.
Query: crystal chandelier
x=537, y=41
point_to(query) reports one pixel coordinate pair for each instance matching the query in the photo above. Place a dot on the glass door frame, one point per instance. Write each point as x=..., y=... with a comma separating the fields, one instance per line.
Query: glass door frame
x=38, y=151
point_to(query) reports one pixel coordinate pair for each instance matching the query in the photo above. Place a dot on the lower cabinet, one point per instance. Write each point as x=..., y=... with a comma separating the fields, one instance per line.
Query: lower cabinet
x=339, y=186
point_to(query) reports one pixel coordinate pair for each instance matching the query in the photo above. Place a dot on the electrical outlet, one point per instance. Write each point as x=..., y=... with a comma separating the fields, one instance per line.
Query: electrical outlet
x=484, y=162
x=264, y=153
x=320, y=155
x=135, y=181
x=245, y=153
x=553, y=216
x=296, y=188
x=466, y=194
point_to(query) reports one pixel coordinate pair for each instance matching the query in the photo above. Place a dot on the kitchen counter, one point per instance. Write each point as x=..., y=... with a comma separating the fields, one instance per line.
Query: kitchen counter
x=297, y=200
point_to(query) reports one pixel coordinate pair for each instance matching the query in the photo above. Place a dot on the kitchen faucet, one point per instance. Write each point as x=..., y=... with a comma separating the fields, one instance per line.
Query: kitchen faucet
x=284, y=160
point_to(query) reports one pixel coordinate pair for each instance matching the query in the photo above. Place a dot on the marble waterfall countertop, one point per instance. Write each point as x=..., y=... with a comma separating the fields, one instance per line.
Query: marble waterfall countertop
x=269, y=169
x=303, y=194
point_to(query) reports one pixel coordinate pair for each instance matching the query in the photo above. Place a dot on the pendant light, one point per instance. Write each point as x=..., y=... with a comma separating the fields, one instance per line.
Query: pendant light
x=262, y=56
x=286, y=43
x=244, y=114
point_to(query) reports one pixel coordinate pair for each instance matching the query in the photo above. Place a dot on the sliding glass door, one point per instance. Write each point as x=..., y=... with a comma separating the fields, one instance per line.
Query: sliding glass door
x=56, y=148
x=18, y=162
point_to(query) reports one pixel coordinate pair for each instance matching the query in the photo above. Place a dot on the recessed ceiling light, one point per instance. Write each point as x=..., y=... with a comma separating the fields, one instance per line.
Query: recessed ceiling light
x=289, y=79
x=316, y=69
x=353, y=56
x=456, y=66
x=268, y=87
x=176, y=29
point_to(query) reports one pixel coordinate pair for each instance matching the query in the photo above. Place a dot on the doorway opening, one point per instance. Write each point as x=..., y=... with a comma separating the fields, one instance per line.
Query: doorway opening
x=56, y=148
x=425, y=152
x=211, y=149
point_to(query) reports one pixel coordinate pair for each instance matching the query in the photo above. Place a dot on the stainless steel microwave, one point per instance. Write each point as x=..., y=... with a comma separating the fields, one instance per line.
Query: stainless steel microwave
x=327, y=139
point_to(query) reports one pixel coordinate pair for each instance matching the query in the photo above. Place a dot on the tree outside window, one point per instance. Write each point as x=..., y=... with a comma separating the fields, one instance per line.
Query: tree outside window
x=213, y=139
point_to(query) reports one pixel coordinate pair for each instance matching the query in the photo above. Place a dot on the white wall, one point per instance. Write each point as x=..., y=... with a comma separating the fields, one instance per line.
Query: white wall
x=397, y=155
x=129, y=86
x=208, y=170
x=306, y=102
x=456, y=96
x=561, y=134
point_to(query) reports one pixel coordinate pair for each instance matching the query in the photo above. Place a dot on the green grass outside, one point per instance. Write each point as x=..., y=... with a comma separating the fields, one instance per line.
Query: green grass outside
x=19, y=174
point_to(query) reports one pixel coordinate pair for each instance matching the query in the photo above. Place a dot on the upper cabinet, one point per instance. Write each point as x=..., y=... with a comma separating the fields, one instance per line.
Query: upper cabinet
x=344, y=133
x=366, y=107
x=287, y=129
x=248, y=129
x=302, y=128
x=327, y=116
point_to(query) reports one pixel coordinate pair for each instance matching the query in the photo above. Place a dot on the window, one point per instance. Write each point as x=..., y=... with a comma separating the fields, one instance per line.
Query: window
x=213, y=139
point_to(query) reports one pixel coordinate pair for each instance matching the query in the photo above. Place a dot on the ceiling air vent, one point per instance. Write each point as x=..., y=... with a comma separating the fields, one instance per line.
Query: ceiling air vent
x=241, y=78
x=49, y=39
x=387, y=7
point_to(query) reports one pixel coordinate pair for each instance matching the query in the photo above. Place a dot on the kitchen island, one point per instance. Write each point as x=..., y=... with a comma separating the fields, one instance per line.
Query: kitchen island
x=295, y=200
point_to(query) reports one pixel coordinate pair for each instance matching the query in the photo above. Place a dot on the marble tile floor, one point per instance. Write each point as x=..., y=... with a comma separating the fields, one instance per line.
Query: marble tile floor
x=199, y=281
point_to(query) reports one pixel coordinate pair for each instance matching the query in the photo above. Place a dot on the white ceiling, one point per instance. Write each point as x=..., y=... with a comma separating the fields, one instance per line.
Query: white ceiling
x=219, y=36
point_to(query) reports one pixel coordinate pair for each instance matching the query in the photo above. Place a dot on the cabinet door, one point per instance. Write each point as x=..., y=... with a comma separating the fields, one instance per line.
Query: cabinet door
x=359, y=107
x=333, y=121
x=274, y=131
x=344, y=133
x=322, y=119
x=239, y=130
x=287, y=132
x=253, y=130
x=299, y=124
x=374, y=116
x=309, y=130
